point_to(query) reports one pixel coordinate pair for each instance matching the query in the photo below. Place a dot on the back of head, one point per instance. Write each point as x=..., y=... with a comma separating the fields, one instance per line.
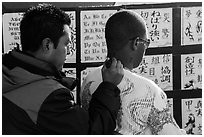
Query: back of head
x=39, y=22
x=122, y=26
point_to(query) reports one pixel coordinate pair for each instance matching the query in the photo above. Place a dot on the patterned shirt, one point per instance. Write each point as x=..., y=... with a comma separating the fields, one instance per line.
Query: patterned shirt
x=144, y=108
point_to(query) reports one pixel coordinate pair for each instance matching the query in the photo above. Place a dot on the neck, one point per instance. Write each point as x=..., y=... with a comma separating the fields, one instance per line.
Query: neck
x=128, y=66
x=37, y=55
x=127, y=62
x=30, y=53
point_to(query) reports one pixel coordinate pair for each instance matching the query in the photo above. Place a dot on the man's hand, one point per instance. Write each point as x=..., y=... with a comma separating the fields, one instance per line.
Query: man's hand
x=114, y=73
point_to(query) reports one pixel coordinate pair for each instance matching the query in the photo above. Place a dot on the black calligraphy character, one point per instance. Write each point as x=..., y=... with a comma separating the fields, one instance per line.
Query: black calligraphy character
x=199, y=78
x=155, y=17
x=151, y=71
x=188, y=104
x=69, y=72
x=166, y=58
x=166, y=17
x=189, y=67
x=198, y=108
x=143, y=67
x=154, y=33
x=165, y=74
x=71, y=46
x=190, y=124
x=199, y=14
x=169, y=104
x=155, y=60
x=188, y=32
x=144, y=15
x=190, y=84
x=199, y=27
x=165, y=32
x=165, y=70
x=200, y=63
x=86, y=17
x=200, y=128
x=188, y=13
x=71, y=16
x=156, y=81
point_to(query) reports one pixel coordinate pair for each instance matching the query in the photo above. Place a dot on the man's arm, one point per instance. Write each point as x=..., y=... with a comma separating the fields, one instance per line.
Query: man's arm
x=59, y=114
x=103, y=109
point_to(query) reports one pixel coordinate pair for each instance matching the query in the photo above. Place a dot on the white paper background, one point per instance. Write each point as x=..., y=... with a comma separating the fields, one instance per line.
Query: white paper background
x=191, y=25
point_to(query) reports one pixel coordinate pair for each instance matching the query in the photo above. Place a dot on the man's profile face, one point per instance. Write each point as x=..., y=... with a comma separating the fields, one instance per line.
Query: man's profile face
x=59, y=54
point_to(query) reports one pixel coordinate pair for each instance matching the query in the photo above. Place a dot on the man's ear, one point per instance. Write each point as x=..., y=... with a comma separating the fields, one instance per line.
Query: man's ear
x=47, y=45
x=134, y=45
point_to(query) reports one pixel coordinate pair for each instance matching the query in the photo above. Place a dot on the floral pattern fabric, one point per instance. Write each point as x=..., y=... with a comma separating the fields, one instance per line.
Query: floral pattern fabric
x=144, y=108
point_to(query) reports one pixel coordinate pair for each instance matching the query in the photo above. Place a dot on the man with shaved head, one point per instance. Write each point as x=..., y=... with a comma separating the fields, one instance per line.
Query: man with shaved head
x=144, y=108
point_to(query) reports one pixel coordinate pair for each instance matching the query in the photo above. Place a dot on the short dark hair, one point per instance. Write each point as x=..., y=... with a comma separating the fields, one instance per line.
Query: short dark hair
x=122, y=26
x=39, y=22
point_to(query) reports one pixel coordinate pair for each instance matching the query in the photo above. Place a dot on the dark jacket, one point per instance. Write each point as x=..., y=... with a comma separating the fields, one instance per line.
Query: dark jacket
x=36, y=101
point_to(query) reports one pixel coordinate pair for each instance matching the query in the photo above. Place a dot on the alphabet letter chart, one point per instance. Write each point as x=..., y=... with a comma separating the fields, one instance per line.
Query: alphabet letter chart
x=93, y=44
x=11, y=31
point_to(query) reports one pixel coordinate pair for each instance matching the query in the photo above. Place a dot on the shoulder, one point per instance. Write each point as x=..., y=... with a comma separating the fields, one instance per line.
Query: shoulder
x=149, y=85
x=92, y=80
x=139, y=82
x=160, y=97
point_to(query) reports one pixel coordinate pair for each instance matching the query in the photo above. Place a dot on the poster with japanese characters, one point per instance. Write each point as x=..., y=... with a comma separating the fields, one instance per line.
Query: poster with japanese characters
x=192, y=116
x=191, y=71
x=71, y=53
x=170, y=105
x=71, y=72
x=159, y=23
x=157, y=68
x=11, y=31
x=93, y=44
x=191, y=25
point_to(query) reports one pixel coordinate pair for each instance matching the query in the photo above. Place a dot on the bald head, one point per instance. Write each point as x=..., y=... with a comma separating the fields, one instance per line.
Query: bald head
x=123, y=26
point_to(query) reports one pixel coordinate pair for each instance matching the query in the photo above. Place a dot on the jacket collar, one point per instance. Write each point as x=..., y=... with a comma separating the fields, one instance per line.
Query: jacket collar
x=35, y=65
x=32, y=66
